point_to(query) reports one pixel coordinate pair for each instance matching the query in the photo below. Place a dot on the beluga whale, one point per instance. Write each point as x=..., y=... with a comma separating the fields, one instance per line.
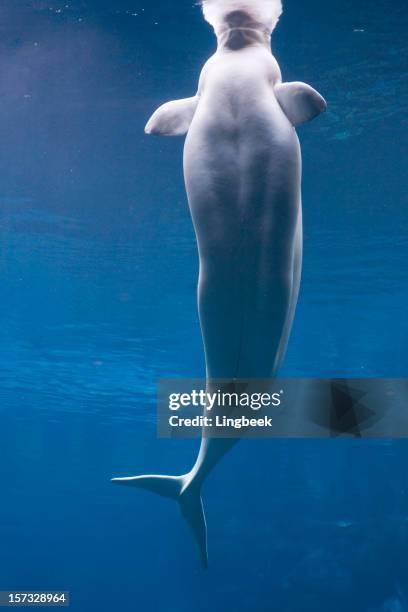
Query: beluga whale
x=242, y=170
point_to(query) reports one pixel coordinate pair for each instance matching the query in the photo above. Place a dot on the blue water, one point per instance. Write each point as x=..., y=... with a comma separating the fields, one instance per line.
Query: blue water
x=98, y=271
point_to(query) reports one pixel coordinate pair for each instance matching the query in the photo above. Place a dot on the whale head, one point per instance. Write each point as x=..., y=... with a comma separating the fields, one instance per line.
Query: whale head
x=256, y=14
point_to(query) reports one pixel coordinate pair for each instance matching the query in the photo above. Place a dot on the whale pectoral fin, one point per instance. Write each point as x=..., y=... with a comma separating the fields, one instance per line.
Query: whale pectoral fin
x=173, y=118
x=300, y=102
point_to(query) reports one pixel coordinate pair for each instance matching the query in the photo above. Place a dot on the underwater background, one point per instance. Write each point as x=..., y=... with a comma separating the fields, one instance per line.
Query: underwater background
x=98, y=272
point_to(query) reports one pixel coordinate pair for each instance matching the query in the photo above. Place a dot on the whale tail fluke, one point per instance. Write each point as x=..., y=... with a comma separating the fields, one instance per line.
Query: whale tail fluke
x=192, y=509
x=187, y=493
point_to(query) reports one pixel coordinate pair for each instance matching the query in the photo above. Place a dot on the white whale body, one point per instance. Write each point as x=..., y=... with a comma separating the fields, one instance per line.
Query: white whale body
x=242, y=168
